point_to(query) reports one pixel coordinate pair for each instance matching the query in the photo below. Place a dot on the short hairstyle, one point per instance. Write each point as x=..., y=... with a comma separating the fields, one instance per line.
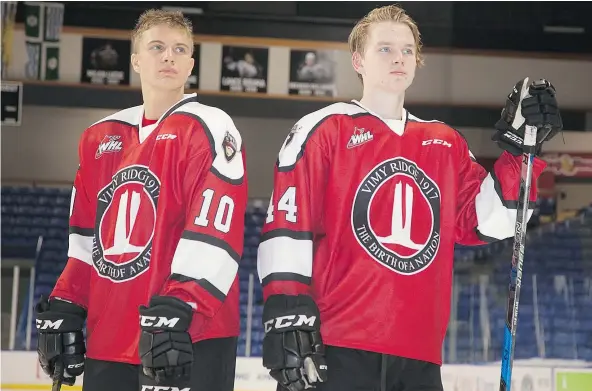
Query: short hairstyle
x=155, y=17
x=390, y=13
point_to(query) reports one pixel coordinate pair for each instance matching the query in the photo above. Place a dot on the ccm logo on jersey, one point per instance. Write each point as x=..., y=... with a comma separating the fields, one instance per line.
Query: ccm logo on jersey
x=166, y=136
x=48, y=324
x=157, y=321
x=281, y=322
x=160, y=388
x=436, y=142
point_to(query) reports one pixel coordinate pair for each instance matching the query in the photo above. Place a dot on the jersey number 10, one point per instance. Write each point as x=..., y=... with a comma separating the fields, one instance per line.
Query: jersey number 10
x=223, y=217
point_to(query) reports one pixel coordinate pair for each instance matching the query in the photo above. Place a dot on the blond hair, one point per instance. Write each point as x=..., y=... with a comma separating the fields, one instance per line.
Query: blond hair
x=155, y=17
x=390, y=13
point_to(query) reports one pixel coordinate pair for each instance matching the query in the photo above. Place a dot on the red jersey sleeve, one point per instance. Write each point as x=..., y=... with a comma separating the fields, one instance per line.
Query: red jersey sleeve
x=295, y=213
x=73, y=283
x=205, y=263
x=487, y=202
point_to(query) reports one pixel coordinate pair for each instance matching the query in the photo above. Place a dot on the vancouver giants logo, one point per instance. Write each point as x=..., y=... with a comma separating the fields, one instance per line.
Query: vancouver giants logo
x=126, y=216
x=396, y=216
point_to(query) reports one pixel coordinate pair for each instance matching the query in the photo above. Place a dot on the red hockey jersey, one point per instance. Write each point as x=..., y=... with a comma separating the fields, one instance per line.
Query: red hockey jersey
x=364, y=217
x=156, y=210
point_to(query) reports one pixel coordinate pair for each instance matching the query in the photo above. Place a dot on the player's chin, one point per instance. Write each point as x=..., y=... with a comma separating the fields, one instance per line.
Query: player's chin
x=169, y=83
x=398, y=86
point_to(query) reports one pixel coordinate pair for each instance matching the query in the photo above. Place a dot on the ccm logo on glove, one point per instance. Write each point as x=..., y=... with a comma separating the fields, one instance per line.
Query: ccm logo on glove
x=282, y=322
x=159, y=388
x=158, y=321
x=513, y=138
x=48, y=324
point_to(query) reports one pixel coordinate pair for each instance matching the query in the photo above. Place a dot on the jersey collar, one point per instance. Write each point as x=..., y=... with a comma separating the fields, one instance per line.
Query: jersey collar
x=397, y=126
x=145, y=131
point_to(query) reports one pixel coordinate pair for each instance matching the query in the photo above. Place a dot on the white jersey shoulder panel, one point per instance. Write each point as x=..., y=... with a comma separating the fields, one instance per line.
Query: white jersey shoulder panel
x=225, y=139
x=130, y=116
x=411, y=117
x=295, y=142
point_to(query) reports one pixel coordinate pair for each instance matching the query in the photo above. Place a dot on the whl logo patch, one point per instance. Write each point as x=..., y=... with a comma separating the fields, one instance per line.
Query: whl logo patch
x=360, y=136
x=110, y=144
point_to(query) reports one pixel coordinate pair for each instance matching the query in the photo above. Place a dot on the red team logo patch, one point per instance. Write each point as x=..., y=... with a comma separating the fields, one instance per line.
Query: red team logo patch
x=126, y=216
x=396, y=216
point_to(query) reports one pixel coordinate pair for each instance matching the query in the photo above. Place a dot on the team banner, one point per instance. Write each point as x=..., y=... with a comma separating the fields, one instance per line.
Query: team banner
x=312, y=73
x=193, y=80
x=105, y=61
x=43, y=27
x=569, y=164
x=244, y=69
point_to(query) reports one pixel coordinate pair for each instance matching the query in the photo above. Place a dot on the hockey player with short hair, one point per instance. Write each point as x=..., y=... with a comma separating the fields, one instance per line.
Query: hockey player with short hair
x=356, y=255
x=156, y=233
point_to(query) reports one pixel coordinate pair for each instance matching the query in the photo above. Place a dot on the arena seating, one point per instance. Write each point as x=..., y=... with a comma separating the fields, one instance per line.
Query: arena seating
x=562, y=306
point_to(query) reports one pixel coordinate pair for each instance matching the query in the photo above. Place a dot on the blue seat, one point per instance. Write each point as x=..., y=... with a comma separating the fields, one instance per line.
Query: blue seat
x=241, y=349
x=256, y=350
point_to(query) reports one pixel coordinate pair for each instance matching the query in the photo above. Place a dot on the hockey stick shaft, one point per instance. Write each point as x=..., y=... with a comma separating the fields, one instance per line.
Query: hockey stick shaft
x=58, y=376
x=517, y=258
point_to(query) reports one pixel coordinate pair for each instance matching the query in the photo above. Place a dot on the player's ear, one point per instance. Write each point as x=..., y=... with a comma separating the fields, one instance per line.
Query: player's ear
x=191, y=67
x=357, y=62
x=135, y=63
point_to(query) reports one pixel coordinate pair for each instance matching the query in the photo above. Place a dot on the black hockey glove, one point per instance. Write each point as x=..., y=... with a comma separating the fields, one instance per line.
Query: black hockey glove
x=165, y=347
x=533, y=105
x=293, y=350
x=60, y=339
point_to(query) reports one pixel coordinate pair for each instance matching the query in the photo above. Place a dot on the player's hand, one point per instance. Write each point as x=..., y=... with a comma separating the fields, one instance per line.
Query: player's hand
x=166, y=350
x=529, y=104
x=60, y=339
x=293, y=349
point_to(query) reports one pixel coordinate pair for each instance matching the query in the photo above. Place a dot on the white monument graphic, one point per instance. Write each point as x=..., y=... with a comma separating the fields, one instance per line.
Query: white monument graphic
x=121, y=242
x=401, y=232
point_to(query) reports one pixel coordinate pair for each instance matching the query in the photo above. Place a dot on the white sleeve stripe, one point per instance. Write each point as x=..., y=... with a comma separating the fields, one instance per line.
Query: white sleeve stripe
x=203, y=261
x=199, y=237
x=80, y=247
x=284, y=232
x=282, y=254
x=494, y=219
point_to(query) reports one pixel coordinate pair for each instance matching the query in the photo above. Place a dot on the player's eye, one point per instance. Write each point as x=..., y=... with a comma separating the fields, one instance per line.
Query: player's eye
x=384, y=49
x=180, y=49
x=407, y=52
x=156, y=47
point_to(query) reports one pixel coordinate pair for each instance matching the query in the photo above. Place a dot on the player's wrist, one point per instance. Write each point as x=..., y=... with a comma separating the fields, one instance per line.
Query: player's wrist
x=59, y=316
x=283, y=313
x=165, y=313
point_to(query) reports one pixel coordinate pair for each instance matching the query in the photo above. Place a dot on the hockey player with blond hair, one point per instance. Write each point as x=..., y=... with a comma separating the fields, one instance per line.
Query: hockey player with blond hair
x=156, y=233
x=356, y=255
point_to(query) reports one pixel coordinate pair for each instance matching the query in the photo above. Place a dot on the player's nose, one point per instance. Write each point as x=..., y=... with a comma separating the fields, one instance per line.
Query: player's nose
x=167, y=55
x=397, y=57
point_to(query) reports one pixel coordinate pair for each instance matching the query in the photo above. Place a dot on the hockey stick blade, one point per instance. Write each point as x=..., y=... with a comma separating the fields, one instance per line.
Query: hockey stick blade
x=58, y=376
x=530, y=135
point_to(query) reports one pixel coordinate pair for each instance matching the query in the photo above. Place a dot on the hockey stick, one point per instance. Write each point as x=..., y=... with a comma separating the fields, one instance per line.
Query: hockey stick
x=58, y=376
x=529, y=145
